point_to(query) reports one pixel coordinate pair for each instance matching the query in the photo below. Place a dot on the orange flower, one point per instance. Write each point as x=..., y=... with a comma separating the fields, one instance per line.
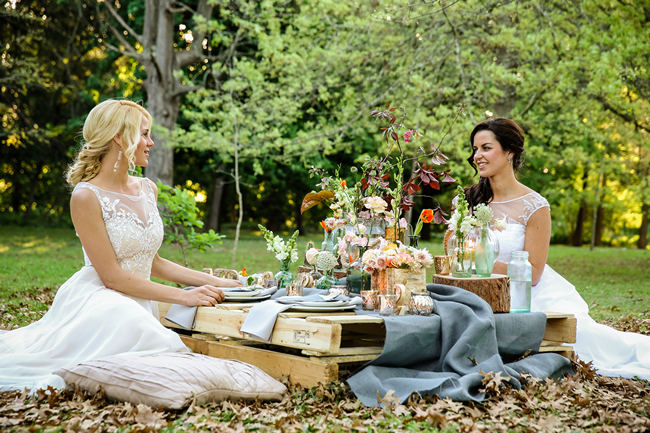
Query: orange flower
x=324, y=226
x=243, y=272
x=427, y=215
x=344, y=184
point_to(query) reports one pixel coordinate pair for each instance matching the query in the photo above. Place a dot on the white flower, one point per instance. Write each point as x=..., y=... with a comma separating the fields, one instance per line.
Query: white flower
x=326, y=260
x=483, y=214
x=311, y=256
x=466, y=226
x=453, y=221
x=500, y=224
x=375, y=204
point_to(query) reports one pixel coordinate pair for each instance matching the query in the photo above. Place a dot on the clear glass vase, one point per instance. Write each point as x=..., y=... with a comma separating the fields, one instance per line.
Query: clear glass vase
x=328, y=241
x=326, y=281
x=284, y=277
x=461, y=256
x=414, y=240
x=486, y=250
x=357, y=279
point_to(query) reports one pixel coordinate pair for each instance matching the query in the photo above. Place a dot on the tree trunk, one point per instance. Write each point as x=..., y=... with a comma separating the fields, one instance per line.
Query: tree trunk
x=642, y=243
x=163, y=98
x=576, y=236
x=214, y=222
x=600, y=217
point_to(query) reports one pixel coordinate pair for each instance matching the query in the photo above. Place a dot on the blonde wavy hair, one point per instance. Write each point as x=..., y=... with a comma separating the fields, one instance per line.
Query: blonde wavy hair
x=107, y=120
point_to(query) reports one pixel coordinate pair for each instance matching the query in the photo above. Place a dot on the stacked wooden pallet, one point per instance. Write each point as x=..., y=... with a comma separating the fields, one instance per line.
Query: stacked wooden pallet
x=308, y=348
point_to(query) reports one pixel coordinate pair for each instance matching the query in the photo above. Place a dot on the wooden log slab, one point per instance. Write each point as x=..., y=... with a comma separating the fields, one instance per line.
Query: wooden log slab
x=495, y=290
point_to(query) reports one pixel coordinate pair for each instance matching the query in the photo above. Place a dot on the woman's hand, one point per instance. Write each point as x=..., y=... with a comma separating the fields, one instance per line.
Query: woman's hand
x=203, y=296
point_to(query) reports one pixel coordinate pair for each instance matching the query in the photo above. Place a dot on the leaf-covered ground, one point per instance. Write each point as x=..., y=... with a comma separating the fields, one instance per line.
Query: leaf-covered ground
x=583, y=402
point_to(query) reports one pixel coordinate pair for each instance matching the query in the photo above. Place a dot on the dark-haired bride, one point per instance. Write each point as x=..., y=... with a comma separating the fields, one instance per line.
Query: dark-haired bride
x=497, y=149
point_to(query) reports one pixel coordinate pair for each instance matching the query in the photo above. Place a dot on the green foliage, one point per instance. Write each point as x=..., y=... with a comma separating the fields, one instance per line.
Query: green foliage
x=180, y=218
x=293, y=83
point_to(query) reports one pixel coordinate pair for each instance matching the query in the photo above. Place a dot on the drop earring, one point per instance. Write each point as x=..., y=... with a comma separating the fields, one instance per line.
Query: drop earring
x=117, y=163
x=509, y=160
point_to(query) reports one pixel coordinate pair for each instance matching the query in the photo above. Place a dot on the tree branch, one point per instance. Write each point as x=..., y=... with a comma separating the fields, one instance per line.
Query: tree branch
x=460, y=65
x=123, y=23
x=195, y=53
x=181, y=90
x=617, y=111
x=128, y=53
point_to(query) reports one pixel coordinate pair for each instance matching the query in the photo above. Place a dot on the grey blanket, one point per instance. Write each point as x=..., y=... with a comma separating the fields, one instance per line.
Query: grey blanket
x=443, y=353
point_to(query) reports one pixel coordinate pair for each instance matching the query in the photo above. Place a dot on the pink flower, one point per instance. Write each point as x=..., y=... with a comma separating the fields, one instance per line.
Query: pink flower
x=381, y=263
x=407, y=135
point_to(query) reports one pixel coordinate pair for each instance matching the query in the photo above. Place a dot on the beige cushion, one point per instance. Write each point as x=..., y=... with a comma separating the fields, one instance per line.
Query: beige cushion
x=172, y=380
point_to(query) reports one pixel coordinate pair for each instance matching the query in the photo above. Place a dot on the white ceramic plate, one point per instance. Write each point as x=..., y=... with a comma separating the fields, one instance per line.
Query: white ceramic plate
x=245, y=298
x=304, y=308
x=242, y=293
x=293, y=300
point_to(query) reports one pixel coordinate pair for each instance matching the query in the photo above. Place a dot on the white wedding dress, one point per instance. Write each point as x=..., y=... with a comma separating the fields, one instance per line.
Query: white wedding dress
x=613, y=353
x=88, y=320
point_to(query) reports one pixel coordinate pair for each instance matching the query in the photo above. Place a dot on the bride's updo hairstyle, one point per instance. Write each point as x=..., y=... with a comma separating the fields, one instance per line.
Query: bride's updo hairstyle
x=511, y=138
x=108, y=119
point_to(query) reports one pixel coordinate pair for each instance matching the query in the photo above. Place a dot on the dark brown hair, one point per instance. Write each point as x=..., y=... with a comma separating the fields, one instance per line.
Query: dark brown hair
x=511, y=138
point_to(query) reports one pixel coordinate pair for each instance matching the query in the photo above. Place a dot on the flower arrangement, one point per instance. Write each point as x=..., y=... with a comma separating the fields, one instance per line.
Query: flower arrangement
x=397, y=256
x=286, y=252
x=462, y=222
x=383, y=192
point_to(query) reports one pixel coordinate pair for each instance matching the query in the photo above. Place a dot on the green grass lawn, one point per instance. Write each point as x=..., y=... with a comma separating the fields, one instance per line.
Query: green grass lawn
x=34, y=261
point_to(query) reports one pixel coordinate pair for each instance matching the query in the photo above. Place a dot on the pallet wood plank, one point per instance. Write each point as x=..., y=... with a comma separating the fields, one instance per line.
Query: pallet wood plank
x=297, y=369
x=347, y=351
x=561, y=329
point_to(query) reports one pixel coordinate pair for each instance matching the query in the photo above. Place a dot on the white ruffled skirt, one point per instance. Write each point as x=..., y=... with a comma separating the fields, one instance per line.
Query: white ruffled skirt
x=612, y=352
x=86, y=321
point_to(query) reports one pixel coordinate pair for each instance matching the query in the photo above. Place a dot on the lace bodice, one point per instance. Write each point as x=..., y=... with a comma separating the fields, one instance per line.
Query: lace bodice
x=516, y=213
x=519, y=209
x=133, y=225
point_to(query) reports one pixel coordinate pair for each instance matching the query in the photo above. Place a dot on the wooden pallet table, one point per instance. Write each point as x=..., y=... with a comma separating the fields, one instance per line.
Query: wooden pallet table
x=308, y=348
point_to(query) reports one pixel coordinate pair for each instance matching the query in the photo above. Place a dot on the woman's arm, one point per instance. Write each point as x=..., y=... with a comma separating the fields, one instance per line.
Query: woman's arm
x=170, y=271
x=86, y=216
x=538, y=238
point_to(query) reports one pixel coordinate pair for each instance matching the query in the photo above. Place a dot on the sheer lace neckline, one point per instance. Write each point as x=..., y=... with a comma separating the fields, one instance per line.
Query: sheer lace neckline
x=516, y=198
x=116, y=192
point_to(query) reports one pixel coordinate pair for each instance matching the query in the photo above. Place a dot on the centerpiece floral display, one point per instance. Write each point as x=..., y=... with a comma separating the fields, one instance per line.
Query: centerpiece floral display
x=374, y=206
x=285, y=252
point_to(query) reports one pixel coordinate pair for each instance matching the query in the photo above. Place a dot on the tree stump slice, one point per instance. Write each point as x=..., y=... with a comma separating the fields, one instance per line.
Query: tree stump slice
x=495, y=290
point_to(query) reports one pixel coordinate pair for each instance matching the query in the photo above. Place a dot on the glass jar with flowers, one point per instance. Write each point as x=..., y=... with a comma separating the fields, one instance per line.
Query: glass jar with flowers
x=326, y=261
x=460, y=244
x=487, y=245
x=399, y=264
x=285, y=252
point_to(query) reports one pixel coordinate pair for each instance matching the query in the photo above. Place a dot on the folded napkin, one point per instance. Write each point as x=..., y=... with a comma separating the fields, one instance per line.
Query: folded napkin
x=261, y=318
x=185, y=316
x=182, y=315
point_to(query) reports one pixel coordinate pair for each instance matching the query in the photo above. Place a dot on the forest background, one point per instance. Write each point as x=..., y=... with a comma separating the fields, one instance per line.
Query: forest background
x=248, y=95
